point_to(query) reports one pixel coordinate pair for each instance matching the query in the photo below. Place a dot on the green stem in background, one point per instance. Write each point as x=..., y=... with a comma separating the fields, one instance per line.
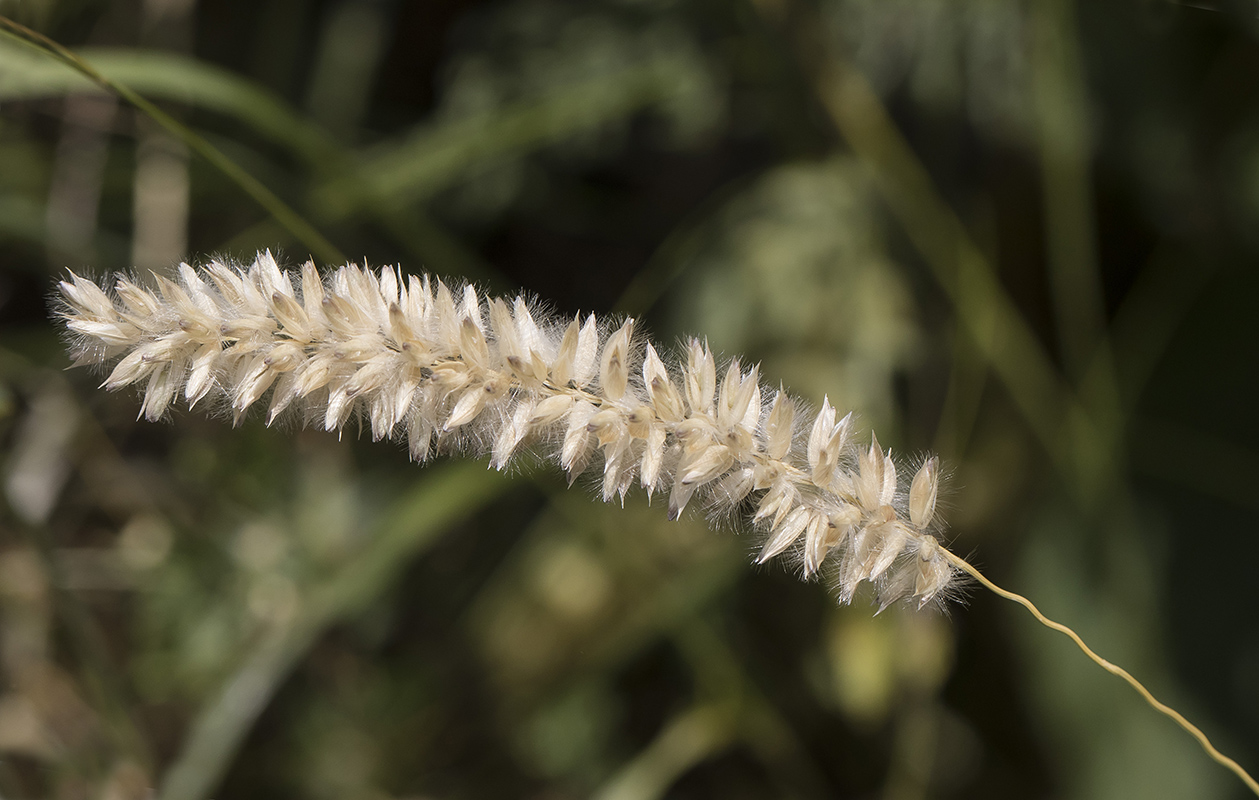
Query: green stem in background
x=444, y=496
x=1061, y=101
x=1015, y=355
x=1113, y=669
x=722, y=681
x=690, y=737
x=386, y=184
x=189, y=81
x=983, y=308
x=729, y=710
x=319, y=246
x=1002, y=336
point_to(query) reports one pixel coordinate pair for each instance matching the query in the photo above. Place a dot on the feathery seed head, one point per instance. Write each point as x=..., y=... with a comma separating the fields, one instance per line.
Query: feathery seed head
x=451, y=370
x=922, y=493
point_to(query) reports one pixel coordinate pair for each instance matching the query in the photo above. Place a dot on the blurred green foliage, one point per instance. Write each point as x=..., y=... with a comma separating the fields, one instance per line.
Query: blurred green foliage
x=1021, y=234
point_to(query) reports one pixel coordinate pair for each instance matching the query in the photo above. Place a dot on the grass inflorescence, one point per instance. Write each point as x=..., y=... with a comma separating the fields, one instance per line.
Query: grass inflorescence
x=449, y=370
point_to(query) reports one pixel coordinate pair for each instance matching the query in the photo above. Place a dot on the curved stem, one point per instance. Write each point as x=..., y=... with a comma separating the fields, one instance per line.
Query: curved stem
x=1113, y=669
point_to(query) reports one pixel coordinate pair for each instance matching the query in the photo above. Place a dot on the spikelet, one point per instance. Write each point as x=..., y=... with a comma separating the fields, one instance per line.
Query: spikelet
x=446, y=369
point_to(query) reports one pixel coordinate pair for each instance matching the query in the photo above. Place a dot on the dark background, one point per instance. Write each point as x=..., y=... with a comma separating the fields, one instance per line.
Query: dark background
x=1021, y=235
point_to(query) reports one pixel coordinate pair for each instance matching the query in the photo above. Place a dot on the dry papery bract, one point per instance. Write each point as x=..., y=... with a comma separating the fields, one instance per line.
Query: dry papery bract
x=452, y=370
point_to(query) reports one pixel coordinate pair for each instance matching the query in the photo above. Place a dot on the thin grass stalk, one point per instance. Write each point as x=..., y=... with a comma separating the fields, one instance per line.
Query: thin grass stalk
x=292, y=221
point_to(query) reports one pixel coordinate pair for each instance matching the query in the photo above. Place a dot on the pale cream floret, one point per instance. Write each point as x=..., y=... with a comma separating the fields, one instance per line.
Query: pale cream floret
x=456, y=371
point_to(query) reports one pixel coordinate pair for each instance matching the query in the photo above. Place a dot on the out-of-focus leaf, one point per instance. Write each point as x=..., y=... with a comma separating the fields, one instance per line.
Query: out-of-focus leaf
x=799, y=257
x=432, y=158
x=277, y=208
x=26, y=75
x=414, y=523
